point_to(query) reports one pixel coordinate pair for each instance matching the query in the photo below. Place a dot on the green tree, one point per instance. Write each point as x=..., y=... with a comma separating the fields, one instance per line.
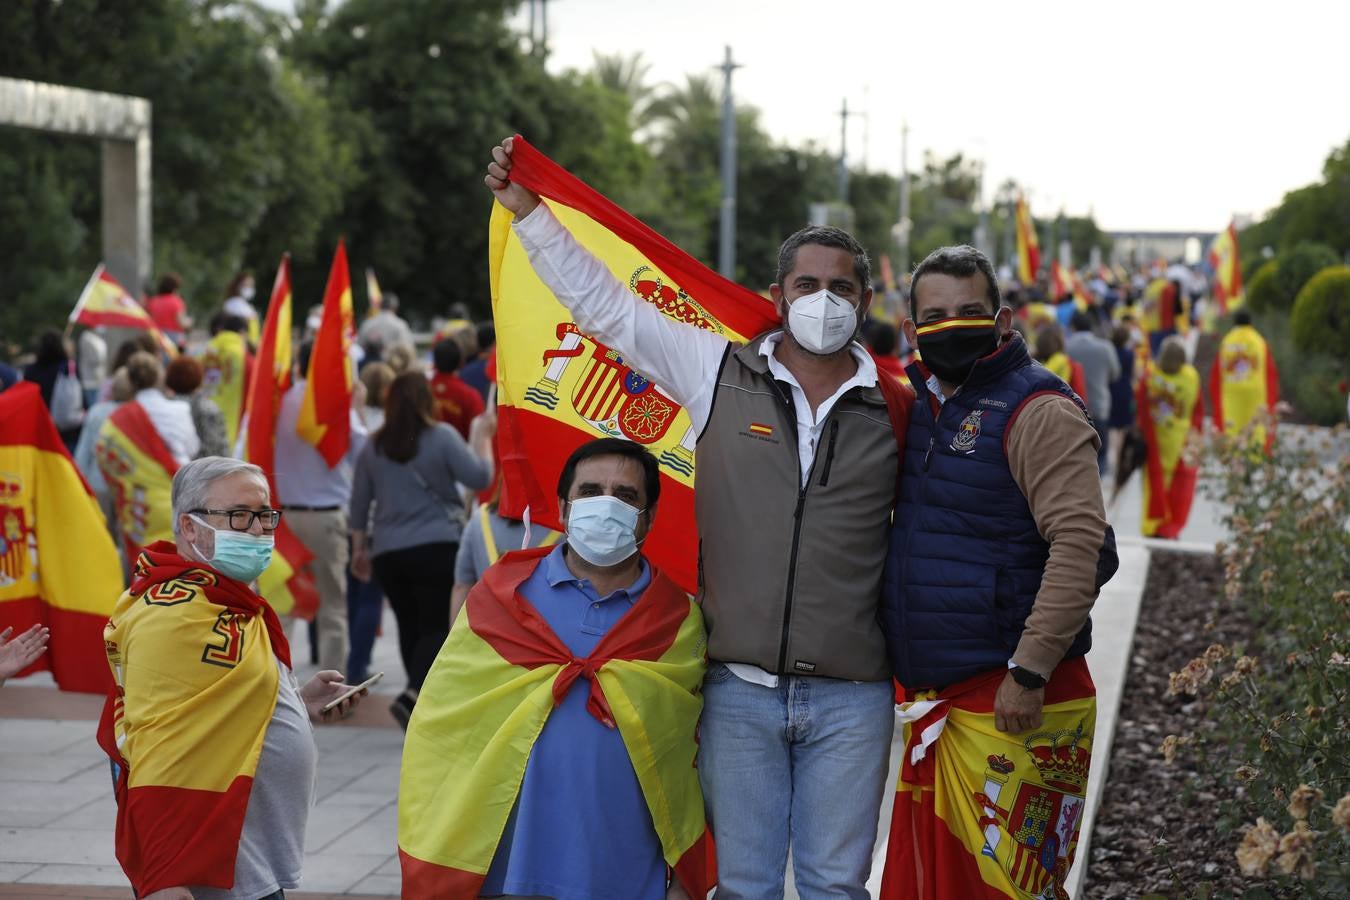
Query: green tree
x=1321, y=319
x=1298, y=266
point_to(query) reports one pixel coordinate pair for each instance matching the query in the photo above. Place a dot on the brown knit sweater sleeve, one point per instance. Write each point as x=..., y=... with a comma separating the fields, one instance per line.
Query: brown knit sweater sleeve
x=1052, y=450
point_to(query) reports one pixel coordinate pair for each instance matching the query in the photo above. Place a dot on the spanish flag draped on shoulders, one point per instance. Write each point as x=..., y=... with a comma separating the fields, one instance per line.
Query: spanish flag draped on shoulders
x=495, y=687
x=139, y=468
x=1243, y=381
x=228, y=369
x=194, y=658
x=1169, y=410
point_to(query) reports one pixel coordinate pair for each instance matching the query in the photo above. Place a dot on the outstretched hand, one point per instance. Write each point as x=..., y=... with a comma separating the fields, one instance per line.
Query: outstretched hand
x=19, y=653
x=519, y=200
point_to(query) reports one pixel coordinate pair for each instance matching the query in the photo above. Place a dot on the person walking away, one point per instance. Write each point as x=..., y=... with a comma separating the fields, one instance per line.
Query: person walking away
x=91, y=362
x=1050, y=353
x=457, y=404
x=140, y=447
x=85, y=458
x=474, y=372
x=227, y=369
x=239, y=302
x=315, y=499
x=488, y=536
x=1122, y=389
x=183, y=378
x=1171, y=419
x=1244, y=386
x=1100, y=365
x=52, y=366
x=408, y=470
x=385, y=329
x=168, y=310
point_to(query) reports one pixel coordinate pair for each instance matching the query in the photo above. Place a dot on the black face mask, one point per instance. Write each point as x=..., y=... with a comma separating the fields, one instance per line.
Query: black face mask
x=950, y=347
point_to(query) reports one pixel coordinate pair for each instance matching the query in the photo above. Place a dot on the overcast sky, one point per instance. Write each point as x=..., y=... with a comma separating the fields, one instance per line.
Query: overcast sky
x=1154, y=115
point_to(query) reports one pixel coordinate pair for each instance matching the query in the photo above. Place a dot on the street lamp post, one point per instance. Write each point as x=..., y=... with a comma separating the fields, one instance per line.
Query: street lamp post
x=726, y=257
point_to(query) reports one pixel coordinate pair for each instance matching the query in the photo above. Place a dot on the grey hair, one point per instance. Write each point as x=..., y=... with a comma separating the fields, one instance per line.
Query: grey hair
x=193, y=482
x=961, y=261
x=824, y=236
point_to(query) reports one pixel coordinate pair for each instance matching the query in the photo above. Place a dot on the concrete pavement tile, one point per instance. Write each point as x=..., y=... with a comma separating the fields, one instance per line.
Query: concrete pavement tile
x=98, y=813
x=329, y=821
x=377, y=834
x=380, y=885
x=101, y=876
x=44, y=736
x=13, y=871
x=20, y=799
x=81, y=846
x=96, y=771
x=390, y=868
x=46, y=767
x=338, y=872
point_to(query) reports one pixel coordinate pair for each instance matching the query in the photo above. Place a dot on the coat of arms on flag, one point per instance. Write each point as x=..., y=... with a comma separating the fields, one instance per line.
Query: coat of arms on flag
x=17, y=541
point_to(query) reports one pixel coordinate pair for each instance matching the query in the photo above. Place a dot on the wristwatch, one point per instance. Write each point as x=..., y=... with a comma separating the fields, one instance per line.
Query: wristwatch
x=1027, y=678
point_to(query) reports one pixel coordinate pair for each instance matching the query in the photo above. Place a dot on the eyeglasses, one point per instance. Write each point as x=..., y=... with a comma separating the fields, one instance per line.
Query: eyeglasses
x=242, y=519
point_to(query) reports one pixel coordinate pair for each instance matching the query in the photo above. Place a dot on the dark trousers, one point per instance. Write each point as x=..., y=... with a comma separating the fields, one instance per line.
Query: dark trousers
x=365, y=602
x=417, y=581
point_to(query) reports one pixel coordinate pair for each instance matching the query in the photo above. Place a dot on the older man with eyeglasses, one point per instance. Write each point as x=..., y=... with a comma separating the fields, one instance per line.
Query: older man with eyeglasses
x=207, y=724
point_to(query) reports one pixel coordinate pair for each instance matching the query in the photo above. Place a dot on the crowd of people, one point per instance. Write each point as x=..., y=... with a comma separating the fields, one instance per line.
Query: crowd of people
x=918, y=520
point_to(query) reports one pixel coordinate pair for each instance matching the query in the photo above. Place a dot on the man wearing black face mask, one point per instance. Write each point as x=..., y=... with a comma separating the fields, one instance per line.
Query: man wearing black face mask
x=999, y=547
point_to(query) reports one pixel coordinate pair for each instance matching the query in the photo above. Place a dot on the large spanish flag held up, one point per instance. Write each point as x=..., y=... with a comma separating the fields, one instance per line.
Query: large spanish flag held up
x=1223, y=256
x=105, y=302
x=1028, y=245
x=981, y=814
x=558, y=388
x=325, y=413
x=58, y=565
x=488, y=697
x=285, y=583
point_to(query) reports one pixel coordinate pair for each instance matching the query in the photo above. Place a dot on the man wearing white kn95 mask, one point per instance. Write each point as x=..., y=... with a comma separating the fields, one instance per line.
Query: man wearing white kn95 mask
x=794, y=489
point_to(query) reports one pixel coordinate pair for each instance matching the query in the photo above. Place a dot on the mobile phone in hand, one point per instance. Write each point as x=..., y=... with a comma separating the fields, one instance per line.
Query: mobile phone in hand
x=352, y=691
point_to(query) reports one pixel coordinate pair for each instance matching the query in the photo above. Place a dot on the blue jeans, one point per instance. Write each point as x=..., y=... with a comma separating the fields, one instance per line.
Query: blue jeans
x=803, y=763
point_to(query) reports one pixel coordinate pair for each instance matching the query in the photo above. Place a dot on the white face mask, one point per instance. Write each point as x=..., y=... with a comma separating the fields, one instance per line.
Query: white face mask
x=246, y=292
x=822, y=322
x=602, y=530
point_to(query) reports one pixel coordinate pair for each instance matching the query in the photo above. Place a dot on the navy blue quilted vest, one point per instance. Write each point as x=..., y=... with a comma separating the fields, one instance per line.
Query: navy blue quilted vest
x=965, y=557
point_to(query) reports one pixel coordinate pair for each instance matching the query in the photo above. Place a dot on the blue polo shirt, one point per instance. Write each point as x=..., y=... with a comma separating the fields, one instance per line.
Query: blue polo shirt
x=580, y=829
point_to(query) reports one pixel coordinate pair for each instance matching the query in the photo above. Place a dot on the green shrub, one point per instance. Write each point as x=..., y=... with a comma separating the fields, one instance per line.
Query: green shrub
x=1298, y=266
x=1310, y=381
x=1321, y=319
x=1262, y=292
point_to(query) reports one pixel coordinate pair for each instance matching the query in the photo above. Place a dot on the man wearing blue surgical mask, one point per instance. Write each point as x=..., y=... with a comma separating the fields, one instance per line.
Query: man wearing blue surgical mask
x=593, y=814
x=798, y=453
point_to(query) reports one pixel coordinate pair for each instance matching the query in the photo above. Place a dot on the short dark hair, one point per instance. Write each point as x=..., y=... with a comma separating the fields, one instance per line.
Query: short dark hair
x=824, y=236
x=1080, y=321
x=447, y=356
x=1242, y=317
x=651, y=469
x=302, y=359
x=487, y=336
x=169, y=282
x=961, y=261
x=881, y=337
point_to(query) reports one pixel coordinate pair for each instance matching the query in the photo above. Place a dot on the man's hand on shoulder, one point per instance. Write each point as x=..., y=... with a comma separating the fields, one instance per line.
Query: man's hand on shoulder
x=1017, y=709
x=521, y=201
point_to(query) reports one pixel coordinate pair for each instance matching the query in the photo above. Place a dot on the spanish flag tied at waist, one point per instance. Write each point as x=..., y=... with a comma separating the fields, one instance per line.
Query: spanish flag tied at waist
x=984, y=814
x=557, y=387
x=487, y=698
x=58, y=565
x=193, y=656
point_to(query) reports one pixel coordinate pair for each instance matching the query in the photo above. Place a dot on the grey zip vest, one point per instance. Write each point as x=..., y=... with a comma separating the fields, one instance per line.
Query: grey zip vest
x=789, y=576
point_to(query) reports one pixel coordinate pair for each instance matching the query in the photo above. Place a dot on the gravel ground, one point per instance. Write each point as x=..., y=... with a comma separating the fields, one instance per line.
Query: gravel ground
x=1146, y=799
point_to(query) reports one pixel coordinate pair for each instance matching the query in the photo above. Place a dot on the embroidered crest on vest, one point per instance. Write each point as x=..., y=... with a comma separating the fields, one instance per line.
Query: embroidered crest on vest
x=964, y=442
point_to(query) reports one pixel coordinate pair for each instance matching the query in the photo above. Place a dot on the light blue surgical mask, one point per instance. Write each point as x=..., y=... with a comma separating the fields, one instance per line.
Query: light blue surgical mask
x=238, y=554
x=602, y=530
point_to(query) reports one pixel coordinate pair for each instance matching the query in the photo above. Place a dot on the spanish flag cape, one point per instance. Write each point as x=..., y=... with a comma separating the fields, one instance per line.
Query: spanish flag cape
x=58, y=564
x=139, y=468
x=1069, y=372
x=192, y=657
x=983, y=814
x=227, y=363
x=498, y=677
x=1169, y=408
x=1242, y=381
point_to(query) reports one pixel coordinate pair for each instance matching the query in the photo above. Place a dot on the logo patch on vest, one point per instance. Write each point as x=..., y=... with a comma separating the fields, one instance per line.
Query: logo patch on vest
x=985, y=401
x=964, y=442
x=802, y=665
x=761, y=432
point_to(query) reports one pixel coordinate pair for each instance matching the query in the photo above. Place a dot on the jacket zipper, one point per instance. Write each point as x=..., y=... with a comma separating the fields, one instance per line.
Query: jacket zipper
x=909, y=526
x=829, y=454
